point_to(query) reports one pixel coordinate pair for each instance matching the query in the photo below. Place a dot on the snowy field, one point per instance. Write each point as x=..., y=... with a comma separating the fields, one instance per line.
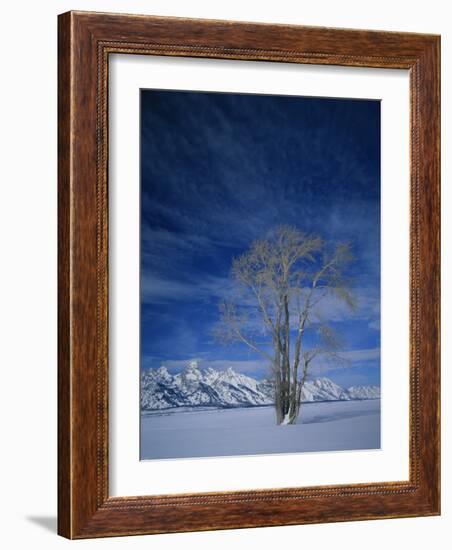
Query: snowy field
x=325, y=426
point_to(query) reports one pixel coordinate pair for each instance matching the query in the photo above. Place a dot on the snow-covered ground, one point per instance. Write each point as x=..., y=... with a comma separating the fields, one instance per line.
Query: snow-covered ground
x=324, y=426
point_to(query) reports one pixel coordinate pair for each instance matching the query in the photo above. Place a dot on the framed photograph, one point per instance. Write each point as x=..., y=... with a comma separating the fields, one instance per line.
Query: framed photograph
x=248, y=275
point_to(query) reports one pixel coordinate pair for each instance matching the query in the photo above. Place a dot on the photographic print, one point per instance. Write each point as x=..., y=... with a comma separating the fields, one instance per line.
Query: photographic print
x=259, y=274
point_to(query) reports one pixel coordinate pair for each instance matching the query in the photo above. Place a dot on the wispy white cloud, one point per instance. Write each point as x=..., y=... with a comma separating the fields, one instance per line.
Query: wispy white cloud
x=352, y=359
x=358, y=356
x=243, y=366
x=157, y=289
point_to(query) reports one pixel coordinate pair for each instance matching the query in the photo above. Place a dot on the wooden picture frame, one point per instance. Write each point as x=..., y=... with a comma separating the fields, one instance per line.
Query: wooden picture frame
x=85, y=508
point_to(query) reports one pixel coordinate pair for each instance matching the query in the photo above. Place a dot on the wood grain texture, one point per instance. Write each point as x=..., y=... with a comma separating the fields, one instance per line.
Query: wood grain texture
x=64, y=295
x=85, y=42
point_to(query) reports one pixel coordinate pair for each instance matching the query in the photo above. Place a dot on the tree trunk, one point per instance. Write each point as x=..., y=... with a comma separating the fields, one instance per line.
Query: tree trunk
x=278, y=403
x=286, y=356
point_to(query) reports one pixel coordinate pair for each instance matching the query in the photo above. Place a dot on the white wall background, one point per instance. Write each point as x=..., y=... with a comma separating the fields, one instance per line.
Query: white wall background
x=28, y=269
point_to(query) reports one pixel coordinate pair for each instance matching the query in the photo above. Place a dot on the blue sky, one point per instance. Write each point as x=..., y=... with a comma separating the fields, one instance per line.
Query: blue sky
x=220, y=170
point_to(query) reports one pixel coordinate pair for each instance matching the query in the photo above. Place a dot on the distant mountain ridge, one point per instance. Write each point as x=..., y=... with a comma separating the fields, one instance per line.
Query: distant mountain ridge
x=195, y=387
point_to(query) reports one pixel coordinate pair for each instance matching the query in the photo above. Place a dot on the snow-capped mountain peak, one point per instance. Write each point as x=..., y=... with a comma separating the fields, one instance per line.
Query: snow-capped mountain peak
x=195, y=386
x=162, y=373
x=364, y=392
x=323, y=389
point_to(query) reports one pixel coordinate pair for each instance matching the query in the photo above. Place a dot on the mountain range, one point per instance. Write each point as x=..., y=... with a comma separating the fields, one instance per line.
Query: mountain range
x=207, y=387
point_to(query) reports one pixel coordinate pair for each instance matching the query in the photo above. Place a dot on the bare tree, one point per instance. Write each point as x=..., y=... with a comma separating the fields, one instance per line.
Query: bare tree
x=280, y=282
